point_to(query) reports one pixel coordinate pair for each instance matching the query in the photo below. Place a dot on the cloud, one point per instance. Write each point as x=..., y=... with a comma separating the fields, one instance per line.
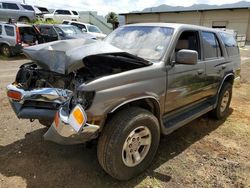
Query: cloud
x=119, y=6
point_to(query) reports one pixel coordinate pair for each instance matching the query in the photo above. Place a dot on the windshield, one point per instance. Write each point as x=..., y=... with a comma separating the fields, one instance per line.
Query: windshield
x=148, y=42
x=94, y=29
x=70, y=30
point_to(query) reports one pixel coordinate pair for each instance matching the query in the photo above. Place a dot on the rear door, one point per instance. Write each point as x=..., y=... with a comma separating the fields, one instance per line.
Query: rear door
x=214, y=60
x=9, y=34
x=11, y=11
x=186, y=83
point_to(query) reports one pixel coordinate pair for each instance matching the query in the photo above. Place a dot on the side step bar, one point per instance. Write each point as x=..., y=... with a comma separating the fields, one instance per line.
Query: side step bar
x=171, y=123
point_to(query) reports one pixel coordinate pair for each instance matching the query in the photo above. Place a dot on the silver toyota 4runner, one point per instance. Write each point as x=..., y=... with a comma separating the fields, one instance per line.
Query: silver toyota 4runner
x=141, y=81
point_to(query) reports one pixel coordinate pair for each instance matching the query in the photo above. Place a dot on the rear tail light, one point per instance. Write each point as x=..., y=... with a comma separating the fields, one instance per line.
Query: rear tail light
x=14, y=95
x=18, y=37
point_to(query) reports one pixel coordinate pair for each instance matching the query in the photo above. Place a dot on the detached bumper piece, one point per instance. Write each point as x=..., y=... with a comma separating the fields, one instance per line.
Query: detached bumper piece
x=72, y=128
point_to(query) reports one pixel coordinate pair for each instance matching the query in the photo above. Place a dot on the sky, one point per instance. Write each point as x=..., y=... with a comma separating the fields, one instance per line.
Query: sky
x=119, y=6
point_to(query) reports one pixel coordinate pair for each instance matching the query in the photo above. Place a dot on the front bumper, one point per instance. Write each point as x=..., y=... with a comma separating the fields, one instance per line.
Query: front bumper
x=37, y=103
x=63, y=133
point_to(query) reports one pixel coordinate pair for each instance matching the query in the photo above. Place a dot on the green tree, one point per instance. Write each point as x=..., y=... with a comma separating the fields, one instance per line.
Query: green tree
x=112, y=18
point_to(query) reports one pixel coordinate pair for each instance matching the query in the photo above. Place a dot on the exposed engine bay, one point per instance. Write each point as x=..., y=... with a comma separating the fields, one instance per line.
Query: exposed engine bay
x=32, y=76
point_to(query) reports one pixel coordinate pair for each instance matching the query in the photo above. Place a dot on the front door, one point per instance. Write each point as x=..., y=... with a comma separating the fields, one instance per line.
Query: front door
x=186, y=83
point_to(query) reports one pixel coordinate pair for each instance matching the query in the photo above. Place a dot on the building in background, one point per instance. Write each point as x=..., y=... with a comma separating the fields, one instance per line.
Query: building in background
x=233, y=18
x=94, y=19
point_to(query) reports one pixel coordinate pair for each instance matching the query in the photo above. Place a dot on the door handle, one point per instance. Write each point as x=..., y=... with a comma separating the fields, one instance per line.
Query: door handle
x=223, y=66
x=200, y=71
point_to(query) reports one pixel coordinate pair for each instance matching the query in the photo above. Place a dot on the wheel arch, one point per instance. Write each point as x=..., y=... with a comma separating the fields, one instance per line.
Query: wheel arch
x=149, y=103
x=228, y=78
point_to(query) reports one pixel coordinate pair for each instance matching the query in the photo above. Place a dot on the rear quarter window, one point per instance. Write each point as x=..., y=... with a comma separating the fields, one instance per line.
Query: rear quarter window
x=230, y=44
x=75, y=13
x=12, y=6
x=1, y=30
x=9, y=30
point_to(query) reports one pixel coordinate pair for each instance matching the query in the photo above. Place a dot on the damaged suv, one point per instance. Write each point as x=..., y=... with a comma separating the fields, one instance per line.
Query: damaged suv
x=142, y=81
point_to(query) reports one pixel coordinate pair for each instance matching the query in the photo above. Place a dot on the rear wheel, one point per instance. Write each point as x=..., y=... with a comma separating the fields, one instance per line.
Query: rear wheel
x=225, y=96
x=6, y=50
x=24, y=19
x=128, y=143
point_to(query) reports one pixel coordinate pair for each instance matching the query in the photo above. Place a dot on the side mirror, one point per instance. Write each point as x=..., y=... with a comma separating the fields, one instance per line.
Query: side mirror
x=84, y=30
x=188, y=57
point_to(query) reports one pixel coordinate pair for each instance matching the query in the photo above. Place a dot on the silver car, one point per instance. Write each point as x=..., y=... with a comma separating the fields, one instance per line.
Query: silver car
x=14, y=37
x=19, y=12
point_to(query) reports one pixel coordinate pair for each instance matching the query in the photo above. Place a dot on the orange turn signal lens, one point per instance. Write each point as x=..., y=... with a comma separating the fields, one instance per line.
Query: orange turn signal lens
x=78, y=115
x=57, y=120
x=14, y=95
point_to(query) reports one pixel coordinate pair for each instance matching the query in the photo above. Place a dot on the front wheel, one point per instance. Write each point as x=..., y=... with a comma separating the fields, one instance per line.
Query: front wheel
x=224, y=101
x=128, y=143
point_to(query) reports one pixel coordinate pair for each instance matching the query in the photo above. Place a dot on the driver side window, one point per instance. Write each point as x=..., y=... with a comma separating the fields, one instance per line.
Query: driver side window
x=189, y=40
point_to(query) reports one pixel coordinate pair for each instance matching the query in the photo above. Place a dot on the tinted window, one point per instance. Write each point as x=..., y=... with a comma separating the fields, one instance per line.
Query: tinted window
x=230, y=44
x=0, y=30
x=65, y=12
x=80, y=26
x=47, y=31
x=211, y=45
x=28, y=7
x=10, y=6
x=65, y=22
x=9, y=30
x=43, y=9
x=75, y=13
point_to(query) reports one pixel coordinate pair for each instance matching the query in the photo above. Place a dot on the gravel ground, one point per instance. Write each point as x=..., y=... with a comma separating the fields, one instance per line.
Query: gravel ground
x=204, y=153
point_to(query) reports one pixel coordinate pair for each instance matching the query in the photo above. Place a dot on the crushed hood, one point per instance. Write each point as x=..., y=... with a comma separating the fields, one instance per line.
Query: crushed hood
x=67, y=55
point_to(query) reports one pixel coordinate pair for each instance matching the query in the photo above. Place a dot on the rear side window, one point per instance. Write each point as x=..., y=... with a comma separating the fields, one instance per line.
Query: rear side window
x=211, y=45
x=28, y=7
x=75, y=13
x=12, y=6
x=65, y=12
x=230, y=44
x=80, y=26
x=9, y=30
x=1, y=30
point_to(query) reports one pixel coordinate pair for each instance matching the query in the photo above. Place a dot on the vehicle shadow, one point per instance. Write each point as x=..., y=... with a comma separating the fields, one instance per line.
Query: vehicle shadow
x=45, y=164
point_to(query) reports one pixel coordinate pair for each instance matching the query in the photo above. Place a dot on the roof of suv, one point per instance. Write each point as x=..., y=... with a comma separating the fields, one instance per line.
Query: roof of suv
x=177, y=26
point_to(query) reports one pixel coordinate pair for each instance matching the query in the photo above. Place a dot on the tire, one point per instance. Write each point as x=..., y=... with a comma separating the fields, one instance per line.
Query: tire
x=224, y=100
x=24, y=20
x=6, y=50
x=115, y=135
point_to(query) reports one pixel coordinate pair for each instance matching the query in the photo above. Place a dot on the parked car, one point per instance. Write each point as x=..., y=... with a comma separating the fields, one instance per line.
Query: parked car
x=89, y=28
x=55, y=32
x=17, y=11
x=142, y=81
x=13, y=37
x=59, y=15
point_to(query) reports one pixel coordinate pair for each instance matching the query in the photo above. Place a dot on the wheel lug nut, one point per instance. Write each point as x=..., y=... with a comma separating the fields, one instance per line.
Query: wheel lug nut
x=133, y=139
x=130, y=145
x=131, y=151
x=138, y=138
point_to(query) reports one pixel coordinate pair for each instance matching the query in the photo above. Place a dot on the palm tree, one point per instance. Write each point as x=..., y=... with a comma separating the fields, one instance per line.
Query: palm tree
x=112, y=18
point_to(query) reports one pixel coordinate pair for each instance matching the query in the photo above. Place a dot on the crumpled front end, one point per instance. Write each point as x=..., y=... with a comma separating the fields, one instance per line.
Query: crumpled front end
x=71, y=127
